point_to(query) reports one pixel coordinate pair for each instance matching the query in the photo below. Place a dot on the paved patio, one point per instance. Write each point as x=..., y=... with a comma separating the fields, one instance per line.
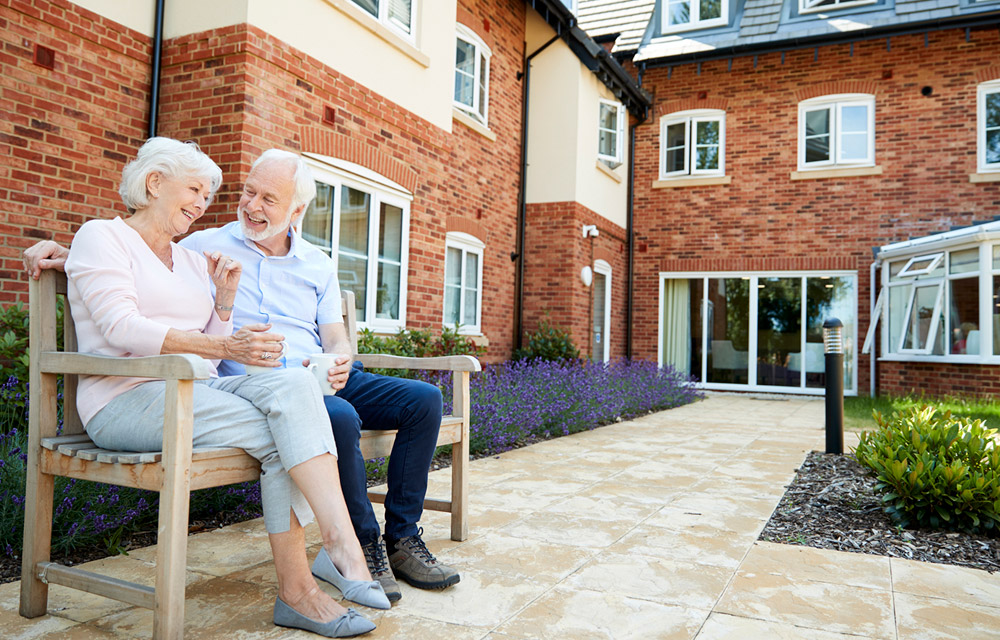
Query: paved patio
x=644, y=529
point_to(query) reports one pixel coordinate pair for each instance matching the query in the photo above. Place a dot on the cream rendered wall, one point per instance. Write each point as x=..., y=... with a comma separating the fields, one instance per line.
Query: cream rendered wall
x=338, y=41
x=553, y=114
x=332, y=36
x=596, y=190
x=562, y=131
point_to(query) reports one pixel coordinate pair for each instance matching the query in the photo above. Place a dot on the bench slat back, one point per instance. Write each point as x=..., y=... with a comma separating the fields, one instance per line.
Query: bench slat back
x=46, y=307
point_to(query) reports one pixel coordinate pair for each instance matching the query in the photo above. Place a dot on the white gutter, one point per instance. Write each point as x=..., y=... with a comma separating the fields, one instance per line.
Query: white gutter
x=977, y=233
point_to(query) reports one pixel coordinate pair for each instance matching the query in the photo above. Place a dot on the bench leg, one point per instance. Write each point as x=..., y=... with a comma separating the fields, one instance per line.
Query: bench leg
x=460, y=459
x=171, y=538
x=37, y=539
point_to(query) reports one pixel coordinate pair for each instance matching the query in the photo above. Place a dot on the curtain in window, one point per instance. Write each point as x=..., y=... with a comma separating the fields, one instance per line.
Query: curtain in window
x=400, y=13
x=677, y=324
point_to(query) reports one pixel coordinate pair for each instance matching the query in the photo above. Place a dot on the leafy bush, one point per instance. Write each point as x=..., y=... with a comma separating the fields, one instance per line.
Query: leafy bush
x=417, y=343
x=548, y=342
x=934, y=470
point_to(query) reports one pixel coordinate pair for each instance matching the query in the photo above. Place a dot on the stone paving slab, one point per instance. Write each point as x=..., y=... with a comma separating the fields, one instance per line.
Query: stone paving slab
x=642, y=529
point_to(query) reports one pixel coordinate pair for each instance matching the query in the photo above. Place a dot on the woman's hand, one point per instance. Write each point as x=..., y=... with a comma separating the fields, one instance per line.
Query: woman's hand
x=224, y=271
x=252, y=344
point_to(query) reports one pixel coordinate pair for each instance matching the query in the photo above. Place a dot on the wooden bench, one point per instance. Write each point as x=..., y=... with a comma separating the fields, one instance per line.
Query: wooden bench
x=176, y=470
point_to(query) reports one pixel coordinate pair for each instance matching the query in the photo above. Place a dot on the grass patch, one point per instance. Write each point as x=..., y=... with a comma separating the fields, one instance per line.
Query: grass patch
x=858, y=410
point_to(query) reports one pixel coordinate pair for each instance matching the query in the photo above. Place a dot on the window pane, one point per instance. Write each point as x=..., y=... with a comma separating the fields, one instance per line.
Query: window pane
x=469, y=316
x=964, y=315
x=854, y=119
x=371, y=6
x=609, y=117
x=680, y=12
x=354, y=207
x=598, y=330
x=453, y=267
x=993, y=146
x=993, y=109
x=352, y=273
x=675, y=147
x=452, y=299
x=996, y=315
x=854, y=146
x=921, y=314
x=390, y=233
x=707, y=158
x=387, y=294
x=826, y=298
x=399, y=14
x=779, y=329
x=317, y=223
x=471, y=271
x=707, y=133
x=818, y=135
x=682, y=326
x=898, y=299
x=710, y=9
x=607, y=145
x=483, y=75
x=465, y=72
x=996, y=256
x=729, y=330
x=963, y=261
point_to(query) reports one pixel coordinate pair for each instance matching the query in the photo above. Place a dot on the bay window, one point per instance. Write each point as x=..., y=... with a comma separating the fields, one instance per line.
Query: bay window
x=361, y=220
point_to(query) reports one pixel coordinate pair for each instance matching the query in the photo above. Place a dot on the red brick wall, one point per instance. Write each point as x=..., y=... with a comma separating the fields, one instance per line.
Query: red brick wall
x=237, y=91
x=555, y=253
x=925, y=145
x=64, y=132
x=901, y=378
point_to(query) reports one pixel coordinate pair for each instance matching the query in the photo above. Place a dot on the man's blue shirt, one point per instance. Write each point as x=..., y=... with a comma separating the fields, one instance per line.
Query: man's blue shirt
x=295, y=293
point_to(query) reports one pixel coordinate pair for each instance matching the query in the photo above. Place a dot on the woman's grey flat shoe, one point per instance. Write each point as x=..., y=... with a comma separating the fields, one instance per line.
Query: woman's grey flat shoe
x=368, y=593
x=349, y=624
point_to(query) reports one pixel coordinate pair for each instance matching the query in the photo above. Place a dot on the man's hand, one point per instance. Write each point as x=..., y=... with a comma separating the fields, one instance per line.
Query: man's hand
x=252, y=344
x=44, y=255
x=337, y=376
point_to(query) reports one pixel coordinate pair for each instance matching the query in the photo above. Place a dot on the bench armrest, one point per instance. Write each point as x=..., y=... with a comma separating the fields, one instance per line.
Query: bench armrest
x=440, y=363
x=182, y=366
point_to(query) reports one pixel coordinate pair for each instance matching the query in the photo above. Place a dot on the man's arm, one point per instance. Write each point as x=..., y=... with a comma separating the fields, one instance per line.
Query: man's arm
x=44, y=255
x=334, y=339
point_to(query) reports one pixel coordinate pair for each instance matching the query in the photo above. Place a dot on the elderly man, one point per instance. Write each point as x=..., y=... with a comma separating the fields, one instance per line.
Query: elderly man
x=292, y=286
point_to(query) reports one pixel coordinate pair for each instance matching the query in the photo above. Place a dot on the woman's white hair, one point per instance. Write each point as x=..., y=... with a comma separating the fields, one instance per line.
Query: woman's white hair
x=305, y=184
x=171, y=158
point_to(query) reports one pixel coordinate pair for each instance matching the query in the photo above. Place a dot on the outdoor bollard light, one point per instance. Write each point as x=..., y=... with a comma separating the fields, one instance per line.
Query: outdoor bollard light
x=833, y=348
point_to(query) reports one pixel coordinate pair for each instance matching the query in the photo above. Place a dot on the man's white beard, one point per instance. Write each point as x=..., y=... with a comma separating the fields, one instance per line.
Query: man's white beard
x=266, y=233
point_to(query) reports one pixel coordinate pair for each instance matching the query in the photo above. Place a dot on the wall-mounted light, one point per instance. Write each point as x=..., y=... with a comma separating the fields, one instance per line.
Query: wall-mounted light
x=590, y=230
x=587, y=276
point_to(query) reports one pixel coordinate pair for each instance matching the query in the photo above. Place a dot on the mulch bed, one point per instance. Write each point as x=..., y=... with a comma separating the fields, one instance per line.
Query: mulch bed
x=832, y=504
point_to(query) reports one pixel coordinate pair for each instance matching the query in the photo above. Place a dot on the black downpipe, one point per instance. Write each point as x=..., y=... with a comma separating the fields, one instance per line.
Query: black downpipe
x=522, y=214
x=629, y=229
x=154, y=92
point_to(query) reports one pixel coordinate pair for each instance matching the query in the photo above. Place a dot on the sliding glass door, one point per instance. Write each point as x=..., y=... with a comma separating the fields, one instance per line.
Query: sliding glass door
x=761, y=331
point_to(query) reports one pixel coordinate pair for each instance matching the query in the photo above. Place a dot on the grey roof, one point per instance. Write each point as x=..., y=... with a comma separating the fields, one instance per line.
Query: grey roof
x=628, y=18
x=758, y=24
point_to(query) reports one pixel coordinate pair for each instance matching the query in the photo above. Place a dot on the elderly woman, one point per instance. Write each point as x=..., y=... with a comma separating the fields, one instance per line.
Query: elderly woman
x=133, y=292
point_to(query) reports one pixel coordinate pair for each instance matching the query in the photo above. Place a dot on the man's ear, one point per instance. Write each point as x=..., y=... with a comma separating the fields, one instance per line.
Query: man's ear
x=297, y=214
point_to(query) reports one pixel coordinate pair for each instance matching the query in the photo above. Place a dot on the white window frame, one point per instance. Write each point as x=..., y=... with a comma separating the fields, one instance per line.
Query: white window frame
x=984, y=276
x=571, y=5
x=836, y=104
x=932, y=260
x=690, y=119
x=602, y=267
x=384, y=18
x=805, y=6
x=480, y=112
x=755, y=277
x=986, y=88
x=342, y=174
x=694, y=14
x=619, y=132
x=467, y=244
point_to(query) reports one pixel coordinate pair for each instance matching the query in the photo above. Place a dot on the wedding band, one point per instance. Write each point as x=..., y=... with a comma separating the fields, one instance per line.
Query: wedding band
x=266, y=356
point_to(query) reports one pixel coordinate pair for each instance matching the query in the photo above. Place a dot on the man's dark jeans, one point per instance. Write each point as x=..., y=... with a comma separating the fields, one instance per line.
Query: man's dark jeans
x=377, y=402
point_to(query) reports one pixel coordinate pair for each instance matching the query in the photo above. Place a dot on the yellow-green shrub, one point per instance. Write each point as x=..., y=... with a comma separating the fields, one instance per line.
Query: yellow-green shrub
x=935, y=470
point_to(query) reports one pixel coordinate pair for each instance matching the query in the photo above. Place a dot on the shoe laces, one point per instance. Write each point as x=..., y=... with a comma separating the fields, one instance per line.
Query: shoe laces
x=416, y=545
x=377, y=562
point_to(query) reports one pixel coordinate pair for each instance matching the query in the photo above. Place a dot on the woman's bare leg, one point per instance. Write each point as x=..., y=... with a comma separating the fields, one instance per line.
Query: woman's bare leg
x=296, y=585
x=319, y=481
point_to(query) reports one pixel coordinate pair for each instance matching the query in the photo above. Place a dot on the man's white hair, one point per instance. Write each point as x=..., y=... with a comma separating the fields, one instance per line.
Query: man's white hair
x=305, y=184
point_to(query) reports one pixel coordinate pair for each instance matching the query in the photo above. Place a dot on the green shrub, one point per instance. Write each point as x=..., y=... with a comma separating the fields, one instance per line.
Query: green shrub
x=935, y=470
x=417, y=343
x=14, y=347
x=548, y=342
